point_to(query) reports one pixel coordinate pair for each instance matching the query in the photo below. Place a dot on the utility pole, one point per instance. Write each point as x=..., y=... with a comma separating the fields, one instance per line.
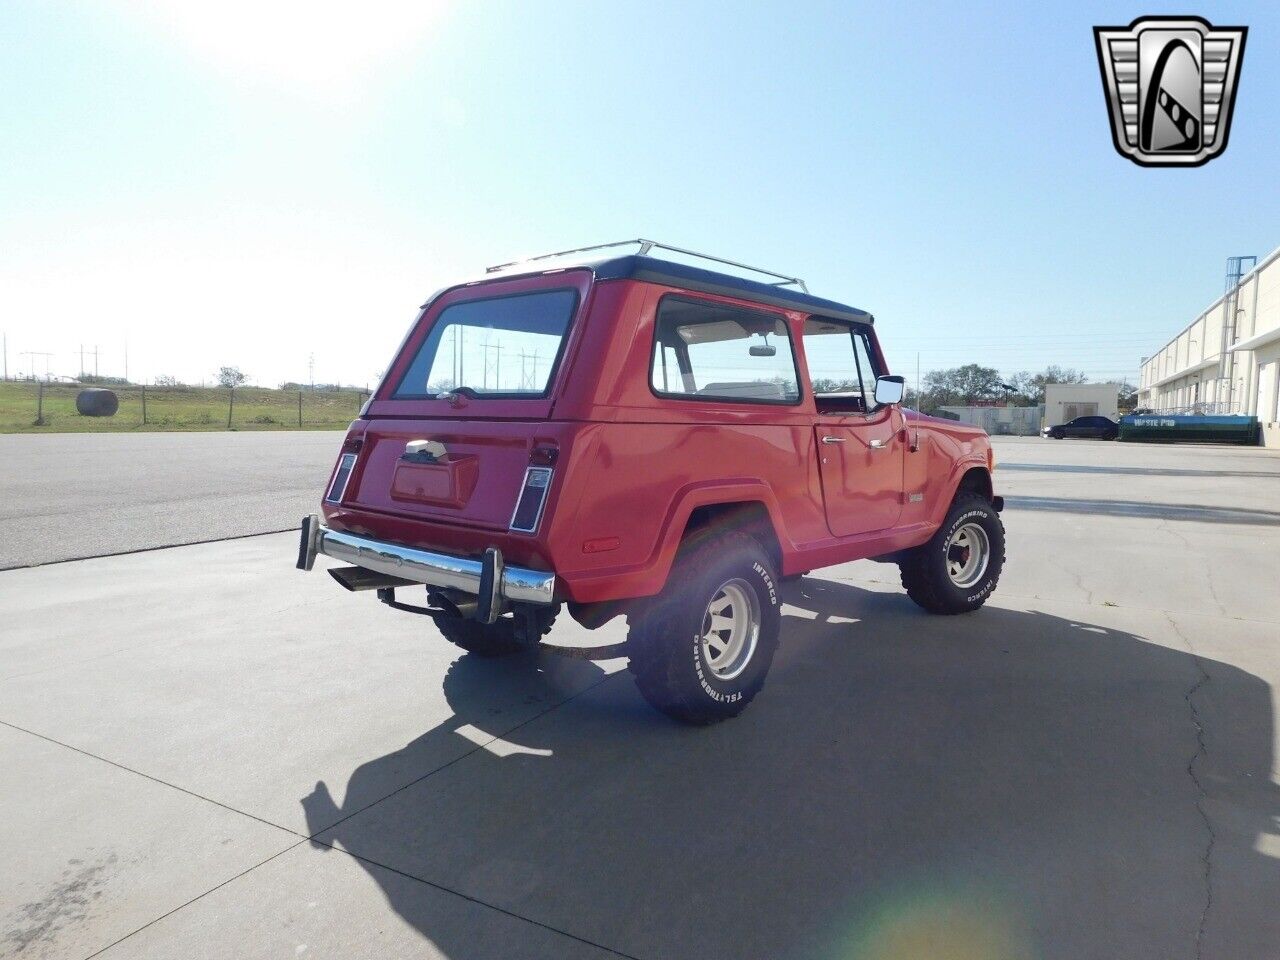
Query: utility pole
x=311, y=371
x=31, y=363
x=6, y=355
x=81, y=373
x=95, y=361
x=126, y=361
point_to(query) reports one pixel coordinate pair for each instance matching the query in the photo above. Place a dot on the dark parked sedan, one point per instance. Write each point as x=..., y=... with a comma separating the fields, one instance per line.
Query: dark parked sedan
x=1093, y=428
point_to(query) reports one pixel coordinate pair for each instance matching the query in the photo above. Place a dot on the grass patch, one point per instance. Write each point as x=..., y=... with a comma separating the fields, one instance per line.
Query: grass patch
x=177, y=409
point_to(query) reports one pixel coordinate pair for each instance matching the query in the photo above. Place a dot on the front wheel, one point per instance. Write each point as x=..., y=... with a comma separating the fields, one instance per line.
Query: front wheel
x=701, y=650
x=958, y=568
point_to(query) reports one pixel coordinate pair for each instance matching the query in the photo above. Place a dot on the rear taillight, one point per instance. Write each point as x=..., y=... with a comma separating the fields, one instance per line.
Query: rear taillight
x=533, y=496
x=338, y=488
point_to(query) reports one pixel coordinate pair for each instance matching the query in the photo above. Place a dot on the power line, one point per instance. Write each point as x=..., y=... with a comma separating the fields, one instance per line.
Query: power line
x=31, y=355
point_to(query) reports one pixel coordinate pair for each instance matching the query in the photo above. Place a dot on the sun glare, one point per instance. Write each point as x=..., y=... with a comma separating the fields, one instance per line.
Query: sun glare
x=323, y=51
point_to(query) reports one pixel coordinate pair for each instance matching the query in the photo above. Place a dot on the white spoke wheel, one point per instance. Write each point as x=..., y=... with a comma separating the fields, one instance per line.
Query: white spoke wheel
x=958, y=568
x=968, y=553
x=730, y=629
x=700, y=650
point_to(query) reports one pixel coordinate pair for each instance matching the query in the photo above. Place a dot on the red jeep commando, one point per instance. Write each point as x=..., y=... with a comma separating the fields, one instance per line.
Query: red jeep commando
x=641, y=437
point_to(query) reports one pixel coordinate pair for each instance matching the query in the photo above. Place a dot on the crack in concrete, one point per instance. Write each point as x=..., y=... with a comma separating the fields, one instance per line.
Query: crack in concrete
x=1206, y=858
x=1079, y=579
x=1213, y=589
x=1208, y=569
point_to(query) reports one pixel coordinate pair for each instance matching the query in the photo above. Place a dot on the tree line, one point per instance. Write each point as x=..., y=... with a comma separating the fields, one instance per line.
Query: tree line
x=975, y=384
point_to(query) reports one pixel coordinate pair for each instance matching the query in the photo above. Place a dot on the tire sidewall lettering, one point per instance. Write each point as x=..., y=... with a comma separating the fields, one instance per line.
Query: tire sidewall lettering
x=766, y=588
x=763, y=574
x=984, y=519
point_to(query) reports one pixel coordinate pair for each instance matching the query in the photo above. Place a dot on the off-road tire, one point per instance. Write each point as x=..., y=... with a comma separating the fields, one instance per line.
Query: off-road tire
x=924, y=568
x=499, y=639
x=665, y=642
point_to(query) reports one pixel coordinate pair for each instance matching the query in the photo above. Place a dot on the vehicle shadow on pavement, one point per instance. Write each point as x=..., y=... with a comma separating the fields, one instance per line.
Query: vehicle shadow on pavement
x=1004, y=784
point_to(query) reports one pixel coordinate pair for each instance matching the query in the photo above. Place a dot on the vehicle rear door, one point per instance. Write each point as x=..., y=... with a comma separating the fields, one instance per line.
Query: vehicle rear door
x=476, y=380
x=860, y=450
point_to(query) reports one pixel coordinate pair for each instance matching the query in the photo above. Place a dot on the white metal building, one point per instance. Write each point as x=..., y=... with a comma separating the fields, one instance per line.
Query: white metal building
x=1064, y=402
x=1228, y=359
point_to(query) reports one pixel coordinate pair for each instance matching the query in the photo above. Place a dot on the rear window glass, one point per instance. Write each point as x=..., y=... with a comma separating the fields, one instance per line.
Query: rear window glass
x=708, y=351
x=504, y=346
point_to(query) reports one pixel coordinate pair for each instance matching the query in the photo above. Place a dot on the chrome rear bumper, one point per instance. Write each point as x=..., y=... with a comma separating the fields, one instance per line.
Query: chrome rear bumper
x=442, y=570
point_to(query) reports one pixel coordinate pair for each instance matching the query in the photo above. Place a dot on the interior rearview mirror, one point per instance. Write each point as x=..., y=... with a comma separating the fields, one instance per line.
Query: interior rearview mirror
x=889, y=390
x=765, y=350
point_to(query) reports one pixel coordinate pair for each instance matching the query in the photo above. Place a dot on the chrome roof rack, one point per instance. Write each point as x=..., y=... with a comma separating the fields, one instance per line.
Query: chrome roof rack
x=782, y=280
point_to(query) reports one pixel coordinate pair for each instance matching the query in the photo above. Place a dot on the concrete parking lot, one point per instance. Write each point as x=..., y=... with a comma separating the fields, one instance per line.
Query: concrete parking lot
x=204, y=752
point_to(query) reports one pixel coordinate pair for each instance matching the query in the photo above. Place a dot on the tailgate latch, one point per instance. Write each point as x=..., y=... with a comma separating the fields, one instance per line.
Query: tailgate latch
x=424, y=451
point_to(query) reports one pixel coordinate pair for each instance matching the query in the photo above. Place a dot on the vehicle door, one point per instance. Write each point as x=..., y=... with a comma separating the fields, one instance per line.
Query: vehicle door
x=860, y=449
x=474, y=380
x=1076, y=428
x=1096, y=428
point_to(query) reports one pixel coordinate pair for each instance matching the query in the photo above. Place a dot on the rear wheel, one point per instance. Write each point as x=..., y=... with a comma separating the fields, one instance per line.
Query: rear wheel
x=958, y=568
x=701, y=650
x=502, y=638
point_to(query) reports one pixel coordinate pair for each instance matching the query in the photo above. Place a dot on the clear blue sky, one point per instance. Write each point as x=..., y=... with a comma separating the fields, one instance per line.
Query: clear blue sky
x=250, y=183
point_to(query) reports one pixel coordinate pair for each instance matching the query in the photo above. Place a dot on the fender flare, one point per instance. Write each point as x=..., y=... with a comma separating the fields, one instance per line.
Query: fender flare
x=704, y=494
x=958, y=471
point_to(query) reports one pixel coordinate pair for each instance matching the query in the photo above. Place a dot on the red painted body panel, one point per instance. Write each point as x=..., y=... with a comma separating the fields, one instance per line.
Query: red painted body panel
x=631, y=467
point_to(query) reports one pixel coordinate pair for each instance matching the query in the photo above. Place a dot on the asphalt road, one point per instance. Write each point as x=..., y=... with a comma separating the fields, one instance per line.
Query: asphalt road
x=72, y=495
x=246, y=762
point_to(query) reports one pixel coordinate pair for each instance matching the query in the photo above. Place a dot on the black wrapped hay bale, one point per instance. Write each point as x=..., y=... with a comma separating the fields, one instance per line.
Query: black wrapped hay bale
x=97, y=403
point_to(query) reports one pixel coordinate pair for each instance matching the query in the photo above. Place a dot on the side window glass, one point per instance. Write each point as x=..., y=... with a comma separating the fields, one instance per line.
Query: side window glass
x=709, y=351
x=840, y=365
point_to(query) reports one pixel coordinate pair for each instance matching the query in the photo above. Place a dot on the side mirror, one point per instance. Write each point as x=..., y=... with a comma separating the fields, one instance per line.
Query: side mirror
x=889, y=390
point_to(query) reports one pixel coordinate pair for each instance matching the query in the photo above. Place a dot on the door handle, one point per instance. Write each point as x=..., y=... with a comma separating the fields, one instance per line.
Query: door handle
x=877, y=444
x=834, y=439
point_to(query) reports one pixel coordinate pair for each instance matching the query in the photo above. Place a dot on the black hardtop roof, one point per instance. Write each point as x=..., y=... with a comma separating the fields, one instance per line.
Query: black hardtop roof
x=639, y=267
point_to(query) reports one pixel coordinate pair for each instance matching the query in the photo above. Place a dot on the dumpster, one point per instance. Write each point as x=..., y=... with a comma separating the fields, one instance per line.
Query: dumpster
x=1198, y=428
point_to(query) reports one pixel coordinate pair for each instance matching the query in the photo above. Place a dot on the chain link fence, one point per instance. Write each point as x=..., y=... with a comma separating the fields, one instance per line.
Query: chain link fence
x=39, y=407
x=999, y=421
